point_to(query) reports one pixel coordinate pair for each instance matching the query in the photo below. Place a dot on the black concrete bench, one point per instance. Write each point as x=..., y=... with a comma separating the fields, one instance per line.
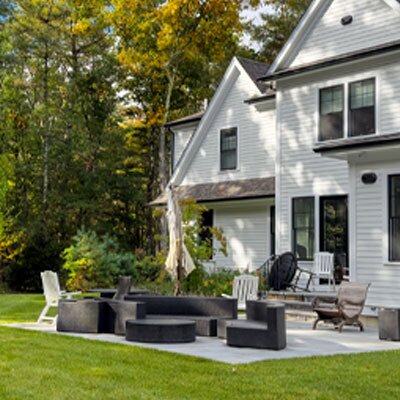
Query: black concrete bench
x=161, y=330
x=264, y=328
x=97, y=315
x=205, y=311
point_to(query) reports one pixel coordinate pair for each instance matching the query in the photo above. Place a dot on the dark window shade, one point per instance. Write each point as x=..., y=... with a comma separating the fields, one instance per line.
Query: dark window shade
x=228, y=149
x=331, y=108
x=362, y=108
x=303, y=227
x=394, y=218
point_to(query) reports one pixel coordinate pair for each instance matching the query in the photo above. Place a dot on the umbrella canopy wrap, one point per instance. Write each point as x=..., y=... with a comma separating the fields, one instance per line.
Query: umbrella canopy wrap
x=179, y=259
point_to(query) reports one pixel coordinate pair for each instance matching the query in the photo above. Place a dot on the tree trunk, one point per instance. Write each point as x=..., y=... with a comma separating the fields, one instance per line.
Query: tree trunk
x=46, y=126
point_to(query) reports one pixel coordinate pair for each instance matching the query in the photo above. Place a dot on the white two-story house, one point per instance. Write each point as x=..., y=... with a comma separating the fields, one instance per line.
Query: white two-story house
x=338, y=141
x=327, y=136
x=224, y=158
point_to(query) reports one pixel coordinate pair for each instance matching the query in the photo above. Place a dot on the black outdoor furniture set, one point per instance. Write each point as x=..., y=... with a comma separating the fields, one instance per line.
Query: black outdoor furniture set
x=99, y=315
x=264, y=328
x=286, y=274
x=205, y=311
x=161, y=330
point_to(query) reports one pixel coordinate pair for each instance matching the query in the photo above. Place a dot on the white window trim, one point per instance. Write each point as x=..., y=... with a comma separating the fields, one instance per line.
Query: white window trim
x=345, y=82
x=385, y=177
x=237, y=169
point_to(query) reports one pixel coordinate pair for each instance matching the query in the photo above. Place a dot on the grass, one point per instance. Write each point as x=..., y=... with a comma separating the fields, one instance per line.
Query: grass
x=41, y=366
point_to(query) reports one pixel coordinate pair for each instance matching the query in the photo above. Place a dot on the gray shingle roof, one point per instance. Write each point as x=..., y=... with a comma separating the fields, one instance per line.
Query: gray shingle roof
x=256, y=70
x=185, y=120
x=230, y=190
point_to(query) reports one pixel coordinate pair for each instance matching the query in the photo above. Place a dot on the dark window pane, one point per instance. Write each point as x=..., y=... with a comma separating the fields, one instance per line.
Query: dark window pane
x=205, y=234
x=303, y=227
x=331, y=113
x=394, y=218
x=362, y=108
x=228, y=149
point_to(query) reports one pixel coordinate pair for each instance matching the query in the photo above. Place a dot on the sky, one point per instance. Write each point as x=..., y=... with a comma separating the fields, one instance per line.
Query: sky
x=255, y=16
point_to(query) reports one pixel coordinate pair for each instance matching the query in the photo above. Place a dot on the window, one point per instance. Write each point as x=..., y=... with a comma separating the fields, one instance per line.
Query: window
x=272, y=229
x=303, y=228
x=362, y=108
x=228, y=149
x=205, y=234
x=394, y=218
x=360, y=111
x=331, y=113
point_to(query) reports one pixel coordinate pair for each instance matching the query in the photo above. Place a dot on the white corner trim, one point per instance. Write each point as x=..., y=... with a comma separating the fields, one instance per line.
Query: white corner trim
x=301, y=32
x=394, y=4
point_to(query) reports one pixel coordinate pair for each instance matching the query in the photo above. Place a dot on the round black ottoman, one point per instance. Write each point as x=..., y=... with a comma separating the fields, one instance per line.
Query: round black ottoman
x=160, y=330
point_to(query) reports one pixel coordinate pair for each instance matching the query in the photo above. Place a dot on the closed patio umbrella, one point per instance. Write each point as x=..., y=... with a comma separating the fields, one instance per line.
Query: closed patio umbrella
x=178, y=260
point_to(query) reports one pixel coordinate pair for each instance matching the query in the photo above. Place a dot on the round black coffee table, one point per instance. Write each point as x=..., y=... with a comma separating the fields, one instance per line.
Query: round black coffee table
x=160, y=330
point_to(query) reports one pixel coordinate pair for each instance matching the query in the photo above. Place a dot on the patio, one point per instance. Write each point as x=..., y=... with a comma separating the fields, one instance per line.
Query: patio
x=302, y=342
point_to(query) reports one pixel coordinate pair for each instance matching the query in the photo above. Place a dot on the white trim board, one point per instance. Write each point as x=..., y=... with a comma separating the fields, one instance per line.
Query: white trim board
x=307, y=23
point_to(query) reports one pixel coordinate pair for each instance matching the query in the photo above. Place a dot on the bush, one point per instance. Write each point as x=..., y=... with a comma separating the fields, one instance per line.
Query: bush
x=200, y=282
x=95, y=262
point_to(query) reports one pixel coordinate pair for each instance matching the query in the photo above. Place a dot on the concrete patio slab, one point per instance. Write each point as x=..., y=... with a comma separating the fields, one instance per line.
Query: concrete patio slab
x=302, y=342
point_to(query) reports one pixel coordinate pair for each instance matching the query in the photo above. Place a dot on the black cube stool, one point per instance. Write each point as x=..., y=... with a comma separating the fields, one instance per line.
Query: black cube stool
x=161, y=330
x=389, y=324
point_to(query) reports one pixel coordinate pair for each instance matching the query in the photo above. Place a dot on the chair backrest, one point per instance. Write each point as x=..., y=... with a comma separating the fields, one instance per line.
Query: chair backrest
x=352, y=295
x=245, y=287
x=323, y=263
x=124, y=286
x=282, y=271
x=51, y=286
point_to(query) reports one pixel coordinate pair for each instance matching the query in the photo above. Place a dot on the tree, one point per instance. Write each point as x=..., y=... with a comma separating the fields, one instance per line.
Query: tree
x=278, y=23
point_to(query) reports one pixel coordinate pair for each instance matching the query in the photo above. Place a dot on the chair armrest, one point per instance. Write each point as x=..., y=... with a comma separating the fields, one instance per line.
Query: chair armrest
x=69, y=295
x=317, y=301
x=226, y=296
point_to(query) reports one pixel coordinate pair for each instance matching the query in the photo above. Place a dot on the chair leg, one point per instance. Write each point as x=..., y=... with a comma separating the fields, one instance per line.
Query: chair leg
x=340, y=326
x=315, y=323
x=43, y=313
x=361, y=325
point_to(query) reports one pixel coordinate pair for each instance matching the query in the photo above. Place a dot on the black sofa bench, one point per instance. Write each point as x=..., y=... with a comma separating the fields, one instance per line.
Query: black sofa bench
x=97, y=315
x=264, y=328
x=205, y=311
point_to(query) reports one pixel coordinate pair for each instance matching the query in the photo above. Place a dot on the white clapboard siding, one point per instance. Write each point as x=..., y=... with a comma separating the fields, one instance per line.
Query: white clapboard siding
x=256, y=138
x=370, y=224
x=374, y=23
x=304, y=173
x=182, y=136
x=246, y=226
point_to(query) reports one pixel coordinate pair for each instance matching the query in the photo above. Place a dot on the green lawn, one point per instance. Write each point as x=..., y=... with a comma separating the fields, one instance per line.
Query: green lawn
x=42, y=366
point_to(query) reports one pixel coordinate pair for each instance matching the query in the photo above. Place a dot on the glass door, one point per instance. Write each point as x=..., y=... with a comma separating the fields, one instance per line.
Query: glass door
x=334, y=232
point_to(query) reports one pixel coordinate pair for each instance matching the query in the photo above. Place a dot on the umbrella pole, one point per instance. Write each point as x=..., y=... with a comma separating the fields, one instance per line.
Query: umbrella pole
x=178, y=283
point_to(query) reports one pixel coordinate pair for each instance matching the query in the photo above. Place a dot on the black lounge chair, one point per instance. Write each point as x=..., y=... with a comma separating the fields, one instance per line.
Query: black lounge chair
x=286, y=274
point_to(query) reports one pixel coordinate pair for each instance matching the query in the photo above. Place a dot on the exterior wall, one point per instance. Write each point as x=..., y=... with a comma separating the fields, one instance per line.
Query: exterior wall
x=374, y=23
x=246, y=226
x=301, y=172
x=256, y=139
x=369, y=224
x=182, y=135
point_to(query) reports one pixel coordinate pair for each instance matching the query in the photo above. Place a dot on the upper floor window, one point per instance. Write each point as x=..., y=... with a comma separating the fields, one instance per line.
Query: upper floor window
x=331, y=113
x=362, y=108
x=228, y=149
x=358, y=110
x=394, y=218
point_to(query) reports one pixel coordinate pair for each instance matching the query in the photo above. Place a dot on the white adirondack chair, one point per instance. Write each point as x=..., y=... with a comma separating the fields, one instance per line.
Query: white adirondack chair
x=245, y=287
x=52, y=293
x=324, y=267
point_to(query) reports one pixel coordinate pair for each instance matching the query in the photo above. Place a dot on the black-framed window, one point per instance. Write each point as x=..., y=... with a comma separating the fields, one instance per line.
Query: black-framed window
x=228, y=149
x=205, y=233
x=362, y=107
x=331, y=112
x=303, y=227
x=272, y=229
x=394, y=218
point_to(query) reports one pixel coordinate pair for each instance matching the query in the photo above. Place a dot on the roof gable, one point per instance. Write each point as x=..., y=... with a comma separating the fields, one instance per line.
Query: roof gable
x=235, y=69
x=321, y=35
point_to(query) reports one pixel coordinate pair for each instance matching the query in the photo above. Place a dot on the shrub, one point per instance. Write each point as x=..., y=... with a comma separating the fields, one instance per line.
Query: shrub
x=95, y=262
